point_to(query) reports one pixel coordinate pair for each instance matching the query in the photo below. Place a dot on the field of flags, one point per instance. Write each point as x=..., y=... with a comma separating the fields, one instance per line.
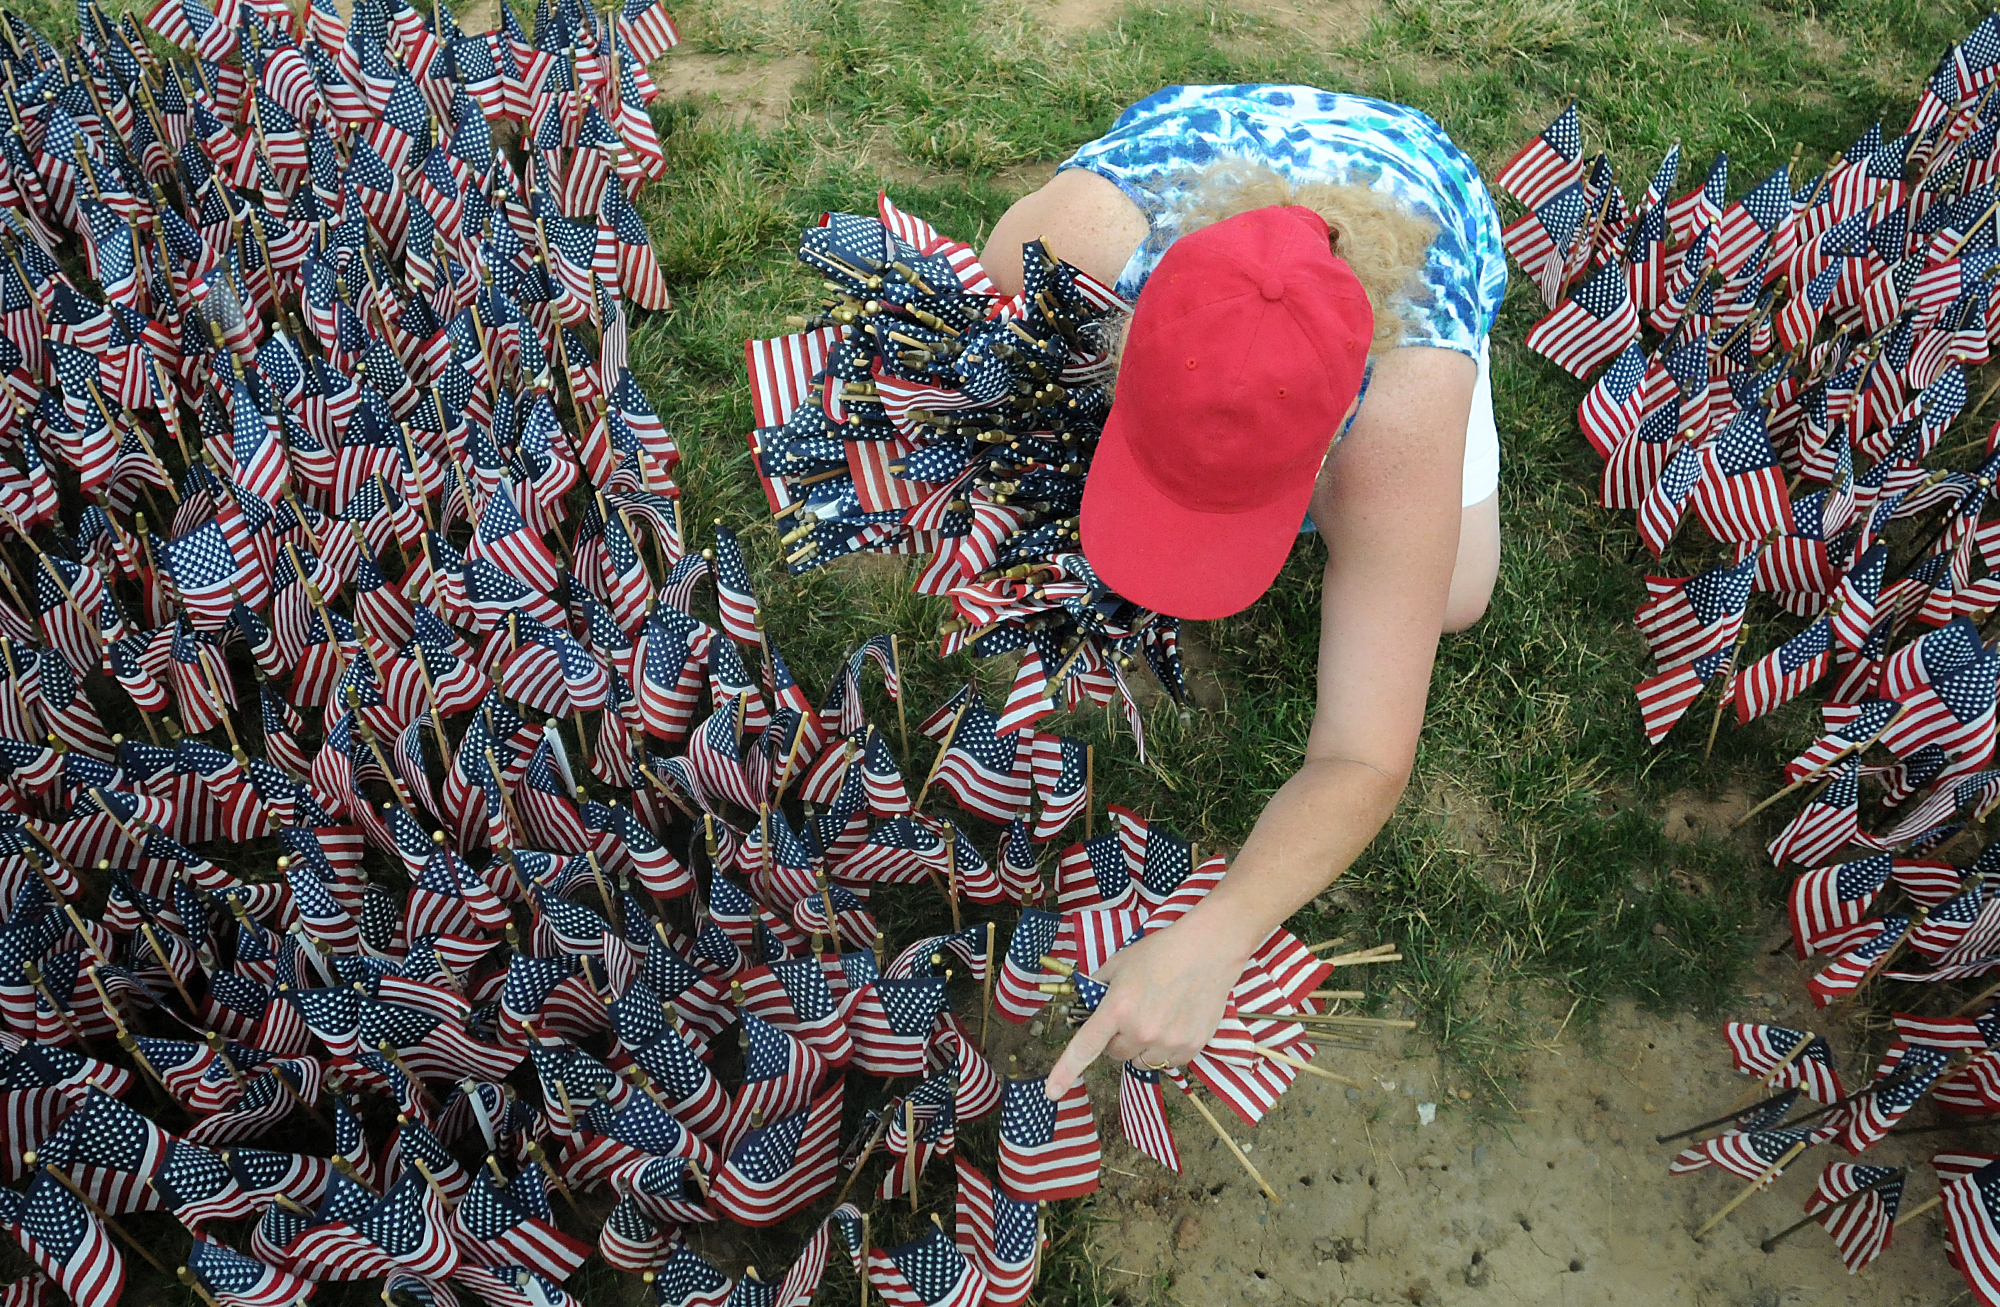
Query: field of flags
x=404, y=894
x=1785, y=369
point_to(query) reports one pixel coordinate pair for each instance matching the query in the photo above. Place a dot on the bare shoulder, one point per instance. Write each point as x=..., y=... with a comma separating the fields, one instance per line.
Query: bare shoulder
x=1408, y=440
x=1415, y=368
x=1085, y=220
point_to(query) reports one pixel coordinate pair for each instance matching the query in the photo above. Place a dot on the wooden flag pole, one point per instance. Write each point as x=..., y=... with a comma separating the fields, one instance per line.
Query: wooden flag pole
x=986, y=1000
x=1089, y=786
x=1764, y=1177
x=951, y=872
x=944, y=748
x=188, y=1277
x=160, y=951
x=1919, y=1209
x=1330, y=1018
x=910, y=1150
x=1235, y=1149
x=1726, y=1117
x=1977, y=1000
x=865, y=1250
x=1820, y=770
x=902, y=722
x=1724, y=678
x=1299, y=1063
x=881, y=1127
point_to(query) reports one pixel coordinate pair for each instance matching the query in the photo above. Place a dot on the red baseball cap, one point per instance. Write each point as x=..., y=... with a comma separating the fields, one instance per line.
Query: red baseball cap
x=1244, y=352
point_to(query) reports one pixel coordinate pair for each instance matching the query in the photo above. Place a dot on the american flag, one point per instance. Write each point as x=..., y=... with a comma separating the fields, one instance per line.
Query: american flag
x=929, y=1271
x=1048, y=1148
x=1974, y=1088
x=1612, y=407
x=1857, y=1205
x=1741, y=494
x=510, y=1232
x=1664, y=699
x=1002, y=1234
x=1827, y=824
x=109, y=1151
x=238, y=1281
x=1827, y=903
x=1142, y=1115
x=1593, y=323
x=1058, y=766
x=781, y=1075
x=1972, y=1223
x=69, y=1243
x=629, y=1240
x=778, y=1169
x=891, y=1021
x=1786, y=672
x=1552, y=160
x=982, y=768
x=1845, y=974
x=1752, y=219
x=1758, y=1049
x=734, y=599
x=1693, y=212
x=1950, y=709
x=689, y=1280
x=1748, y=1154
x=1015, y=996
x=1905, y=1075
x=1683, y=620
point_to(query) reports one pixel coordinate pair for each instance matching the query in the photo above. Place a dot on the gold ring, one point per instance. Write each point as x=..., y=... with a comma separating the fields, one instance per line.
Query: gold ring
x=1164, y=1064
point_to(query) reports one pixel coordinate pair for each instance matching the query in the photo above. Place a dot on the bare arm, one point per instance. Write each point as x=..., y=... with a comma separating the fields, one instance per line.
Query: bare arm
x=1084, y=219
x=1388, y=507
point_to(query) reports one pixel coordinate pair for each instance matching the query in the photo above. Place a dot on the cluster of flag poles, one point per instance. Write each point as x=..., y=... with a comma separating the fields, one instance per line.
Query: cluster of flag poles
x=919, y=412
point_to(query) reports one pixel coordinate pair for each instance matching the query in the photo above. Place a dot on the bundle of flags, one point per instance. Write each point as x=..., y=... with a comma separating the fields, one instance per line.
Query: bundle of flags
x=1785, y=368
x=920, y=412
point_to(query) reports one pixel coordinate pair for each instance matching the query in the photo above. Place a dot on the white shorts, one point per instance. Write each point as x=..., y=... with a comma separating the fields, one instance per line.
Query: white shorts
x=1482, y=436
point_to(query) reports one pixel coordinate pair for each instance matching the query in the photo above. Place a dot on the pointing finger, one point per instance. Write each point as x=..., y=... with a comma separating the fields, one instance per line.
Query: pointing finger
x=1084, y=1046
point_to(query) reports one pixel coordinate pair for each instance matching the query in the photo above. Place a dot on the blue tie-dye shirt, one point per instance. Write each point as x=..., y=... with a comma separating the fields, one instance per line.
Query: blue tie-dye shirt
x=1156, y=146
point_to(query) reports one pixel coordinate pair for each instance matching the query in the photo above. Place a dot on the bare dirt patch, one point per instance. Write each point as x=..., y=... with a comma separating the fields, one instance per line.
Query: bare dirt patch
x=738, y=88
x=1566, y=1201
x=1691, y=818
x=1469, y=822
x=1324, y=19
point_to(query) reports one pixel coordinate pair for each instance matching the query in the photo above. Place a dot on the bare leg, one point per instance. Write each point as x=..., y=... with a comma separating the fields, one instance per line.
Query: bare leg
x=1478, y=564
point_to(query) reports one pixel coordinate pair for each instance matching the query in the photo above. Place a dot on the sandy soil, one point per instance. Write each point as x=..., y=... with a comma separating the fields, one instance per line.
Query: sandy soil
x=735, y=87
x=1557, y=1195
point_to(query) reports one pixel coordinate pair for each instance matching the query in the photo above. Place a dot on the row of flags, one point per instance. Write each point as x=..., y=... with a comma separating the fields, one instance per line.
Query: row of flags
x=1784, y=368
x=922, y=413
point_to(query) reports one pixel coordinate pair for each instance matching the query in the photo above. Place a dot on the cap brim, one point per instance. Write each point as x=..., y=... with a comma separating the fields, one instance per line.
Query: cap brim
x=1180, y=561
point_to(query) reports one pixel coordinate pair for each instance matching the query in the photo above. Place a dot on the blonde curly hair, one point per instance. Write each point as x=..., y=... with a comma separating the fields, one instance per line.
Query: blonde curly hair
x=1375, y=233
